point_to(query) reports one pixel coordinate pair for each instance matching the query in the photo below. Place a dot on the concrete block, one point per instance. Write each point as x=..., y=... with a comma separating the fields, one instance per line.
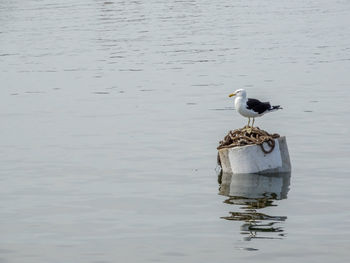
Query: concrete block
x=251, y=159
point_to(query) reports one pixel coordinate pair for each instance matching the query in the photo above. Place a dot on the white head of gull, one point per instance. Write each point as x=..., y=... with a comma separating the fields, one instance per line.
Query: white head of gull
x=251, y=108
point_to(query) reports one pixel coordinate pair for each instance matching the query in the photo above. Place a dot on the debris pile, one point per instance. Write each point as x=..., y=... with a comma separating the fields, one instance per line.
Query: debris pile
x=249, y=136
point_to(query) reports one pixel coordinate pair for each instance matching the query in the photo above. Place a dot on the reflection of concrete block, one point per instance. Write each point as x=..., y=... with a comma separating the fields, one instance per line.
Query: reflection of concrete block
x=255, y=185
x=251, y=159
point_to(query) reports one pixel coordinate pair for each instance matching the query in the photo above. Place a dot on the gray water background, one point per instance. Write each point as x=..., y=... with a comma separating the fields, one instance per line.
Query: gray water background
x=111, y=112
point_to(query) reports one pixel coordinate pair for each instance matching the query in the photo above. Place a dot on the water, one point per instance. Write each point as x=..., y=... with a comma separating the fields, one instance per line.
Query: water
x=111, y=112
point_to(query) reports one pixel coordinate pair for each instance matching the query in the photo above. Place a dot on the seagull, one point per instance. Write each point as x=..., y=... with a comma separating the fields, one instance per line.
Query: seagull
x=251, y=108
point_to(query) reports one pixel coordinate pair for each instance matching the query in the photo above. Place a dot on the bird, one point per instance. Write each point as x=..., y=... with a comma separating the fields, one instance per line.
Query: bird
x=251, y=108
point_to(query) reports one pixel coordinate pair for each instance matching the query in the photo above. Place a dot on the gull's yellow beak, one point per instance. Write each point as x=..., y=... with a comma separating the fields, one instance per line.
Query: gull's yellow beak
x=231, y=95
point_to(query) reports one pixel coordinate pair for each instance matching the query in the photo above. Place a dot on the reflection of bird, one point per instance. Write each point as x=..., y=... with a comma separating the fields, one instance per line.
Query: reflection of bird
x=251, y=108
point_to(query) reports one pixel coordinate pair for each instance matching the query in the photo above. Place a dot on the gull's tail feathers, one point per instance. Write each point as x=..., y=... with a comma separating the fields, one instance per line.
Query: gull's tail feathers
x=274, y=108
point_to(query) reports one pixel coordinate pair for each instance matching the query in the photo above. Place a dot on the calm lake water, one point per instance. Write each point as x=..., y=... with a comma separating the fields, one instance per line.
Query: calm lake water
x=111, y=112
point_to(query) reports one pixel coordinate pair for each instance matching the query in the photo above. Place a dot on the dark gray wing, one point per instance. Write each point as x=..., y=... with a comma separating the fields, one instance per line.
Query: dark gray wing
x=258, y=106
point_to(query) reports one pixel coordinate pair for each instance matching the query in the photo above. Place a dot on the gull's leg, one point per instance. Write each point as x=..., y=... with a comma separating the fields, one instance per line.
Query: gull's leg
x=253, y=122
x=249, y=129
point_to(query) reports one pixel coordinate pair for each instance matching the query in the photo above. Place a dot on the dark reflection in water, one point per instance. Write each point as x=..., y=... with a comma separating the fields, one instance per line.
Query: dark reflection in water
x=250, y=193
